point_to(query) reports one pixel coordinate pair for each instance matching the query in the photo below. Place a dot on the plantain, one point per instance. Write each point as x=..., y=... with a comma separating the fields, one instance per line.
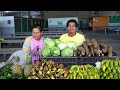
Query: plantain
x=62, y=71
x=40, y=72
x=48, y=72
x=52, y=77
x=33, y=71
x=66, y=74
x=29, y=77
x=54, y=69
x=40, y=68
x=35, y=77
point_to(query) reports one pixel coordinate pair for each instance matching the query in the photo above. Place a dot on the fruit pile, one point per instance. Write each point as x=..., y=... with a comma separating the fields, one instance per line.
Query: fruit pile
x=83, y=72
x=110, y=69
x=48, y=70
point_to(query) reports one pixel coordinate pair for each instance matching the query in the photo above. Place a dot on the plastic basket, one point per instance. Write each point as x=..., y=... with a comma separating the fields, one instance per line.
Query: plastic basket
x=93, y=60
x=79, y=60
x=63, y=60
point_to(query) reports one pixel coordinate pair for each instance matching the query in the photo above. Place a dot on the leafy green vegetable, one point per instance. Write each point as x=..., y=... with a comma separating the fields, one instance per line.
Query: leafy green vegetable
x=62, y=45
x=55, y=51
x=45, y=52
x=72, y=44
x=57, y=41
x=6, y=73
x=49, y=42
x=67, y=52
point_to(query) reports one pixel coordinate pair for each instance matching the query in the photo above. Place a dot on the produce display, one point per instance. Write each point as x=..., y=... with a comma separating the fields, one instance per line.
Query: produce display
x=54, y=47
x=93, y=48
x=6, y=73
x=89, y=48
x=110, y=69
x=49, y=69
x=83, y=72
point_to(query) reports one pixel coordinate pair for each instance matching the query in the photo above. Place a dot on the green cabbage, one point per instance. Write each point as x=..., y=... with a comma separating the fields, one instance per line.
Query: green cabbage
x=49, y=42
x=57, y=41
x=67, y=52
x=62, y=45
x=55, y=51
x=45, y=52
x=72, y=44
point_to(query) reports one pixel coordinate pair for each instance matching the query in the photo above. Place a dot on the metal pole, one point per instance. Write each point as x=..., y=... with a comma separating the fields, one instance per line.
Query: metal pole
x=42, y=18
x=27, y=24
x=21, y=21
x=21, y=24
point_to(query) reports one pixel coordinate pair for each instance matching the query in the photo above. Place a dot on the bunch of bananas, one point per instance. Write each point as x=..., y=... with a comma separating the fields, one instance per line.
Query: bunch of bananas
x=49, y=70
x=110, y=69
x=83, y=72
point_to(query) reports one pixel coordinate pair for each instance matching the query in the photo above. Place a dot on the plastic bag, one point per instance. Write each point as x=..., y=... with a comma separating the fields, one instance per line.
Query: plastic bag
x=21, y=54
x=2, y=64
x=98, y=64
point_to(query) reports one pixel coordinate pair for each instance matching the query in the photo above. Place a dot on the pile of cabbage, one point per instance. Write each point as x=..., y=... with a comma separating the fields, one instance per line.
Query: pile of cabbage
x=54, y=47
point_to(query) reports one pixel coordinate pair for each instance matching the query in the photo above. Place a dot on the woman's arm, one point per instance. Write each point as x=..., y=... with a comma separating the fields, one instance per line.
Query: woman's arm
x=27, y=44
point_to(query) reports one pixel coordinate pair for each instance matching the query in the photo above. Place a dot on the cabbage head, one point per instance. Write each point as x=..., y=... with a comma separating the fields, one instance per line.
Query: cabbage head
x=55, y=51
x=49, y=42
x=72, y=44
x=45, y=52
x=66, y=52
x=62, y=45
x=57, y=41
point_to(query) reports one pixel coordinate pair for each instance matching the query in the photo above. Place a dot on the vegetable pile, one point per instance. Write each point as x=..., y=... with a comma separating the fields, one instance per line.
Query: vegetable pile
x=93, y=48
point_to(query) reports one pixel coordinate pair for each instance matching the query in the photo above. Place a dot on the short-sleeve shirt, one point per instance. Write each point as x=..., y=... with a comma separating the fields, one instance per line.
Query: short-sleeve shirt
x=27, y=43
x=78, y=38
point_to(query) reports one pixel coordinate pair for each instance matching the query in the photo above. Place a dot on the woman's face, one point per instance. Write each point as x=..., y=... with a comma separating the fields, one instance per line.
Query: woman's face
x=36, y=33
x=72, y=27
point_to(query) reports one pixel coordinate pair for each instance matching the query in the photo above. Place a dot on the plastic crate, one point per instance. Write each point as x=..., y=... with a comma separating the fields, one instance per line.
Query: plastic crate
x=63, y=60
x=93, y=60
x=79, y=60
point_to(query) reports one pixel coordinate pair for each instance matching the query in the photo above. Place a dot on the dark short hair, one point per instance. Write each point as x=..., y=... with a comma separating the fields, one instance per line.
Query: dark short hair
x=72, y=20
x=37, y=26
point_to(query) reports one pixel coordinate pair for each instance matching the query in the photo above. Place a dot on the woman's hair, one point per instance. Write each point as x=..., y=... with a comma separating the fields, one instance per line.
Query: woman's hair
x=72, y=20
x=38, y=26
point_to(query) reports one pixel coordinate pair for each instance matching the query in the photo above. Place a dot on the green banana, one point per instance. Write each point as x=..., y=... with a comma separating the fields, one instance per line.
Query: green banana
x=111, y=75
x=80, y=74
x=107, y=63
x=118, y=69
x=103, y=62
x=116, y=63
x=111, y=63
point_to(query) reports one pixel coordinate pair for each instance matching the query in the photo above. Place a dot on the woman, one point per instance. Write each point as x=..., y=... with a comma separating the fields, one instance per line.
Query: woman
x=34, y=43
